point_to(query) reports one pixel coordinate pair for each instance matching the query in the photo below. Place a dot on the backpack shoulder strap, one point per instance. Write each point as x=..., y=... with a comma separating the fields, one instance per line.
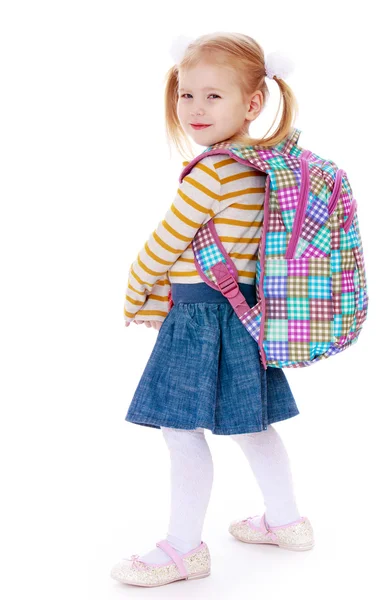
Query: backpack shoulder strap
x=262, y=161
x=286, y=145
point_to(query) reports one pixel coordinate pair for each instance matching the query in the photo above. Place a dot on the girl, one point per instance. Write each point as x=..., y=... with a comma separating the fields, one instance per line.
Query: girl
x=204, y=371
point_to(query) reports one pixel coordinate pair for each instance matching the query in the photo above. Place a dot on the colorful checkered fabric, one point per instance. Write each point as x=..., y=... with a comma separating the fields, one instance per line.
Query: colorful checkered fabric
x=310, y=282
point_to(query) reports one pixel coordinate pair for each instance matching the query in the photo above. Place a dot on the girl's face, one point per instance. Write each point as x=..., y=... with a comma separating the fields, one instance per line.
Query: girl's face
x=211, y=95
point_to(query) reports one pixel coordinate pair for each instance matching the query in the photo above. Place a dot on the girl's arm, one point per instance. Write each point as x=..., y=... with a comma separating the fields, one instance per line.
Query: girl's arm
x=196, y=202
x=155, y=307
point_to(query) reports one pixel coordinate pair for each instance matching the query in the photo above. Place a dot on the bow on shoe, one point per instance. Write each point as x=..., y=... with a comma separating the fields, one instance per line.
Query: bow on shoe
x=136, y=563
x=268, y=533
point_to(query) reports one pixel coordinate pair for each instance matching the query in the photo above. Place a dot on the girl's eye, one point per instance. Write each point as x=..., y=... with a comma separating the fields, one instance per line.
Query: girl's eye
x=209, y=95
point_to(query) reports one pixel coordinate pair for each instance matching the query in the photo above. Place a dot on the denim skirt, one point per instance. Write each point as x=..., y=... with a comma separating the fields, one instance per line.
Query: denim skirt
x=205, y=370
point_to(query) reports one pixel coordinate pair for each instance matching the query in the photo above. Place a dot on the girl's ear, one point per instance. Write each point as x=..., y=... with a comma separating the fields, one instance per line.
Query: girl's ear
x=255, y=105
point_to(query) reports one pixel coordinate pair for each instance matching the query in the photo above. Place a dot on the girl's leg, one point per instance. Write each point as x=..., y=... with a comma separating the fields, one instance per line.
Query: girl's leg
x=269, y=462
x=191, y=480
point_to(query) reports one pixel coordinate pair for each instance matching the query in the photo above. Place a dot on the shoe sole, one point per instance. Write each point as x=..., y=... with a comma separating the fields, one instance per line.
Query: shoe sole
x=196, y=576
x=297, y=548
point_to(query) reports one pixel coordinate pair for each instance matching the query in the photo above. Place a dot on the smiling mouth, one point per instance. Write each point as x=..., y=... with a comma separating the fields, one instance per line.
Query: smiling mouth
x=199, y=126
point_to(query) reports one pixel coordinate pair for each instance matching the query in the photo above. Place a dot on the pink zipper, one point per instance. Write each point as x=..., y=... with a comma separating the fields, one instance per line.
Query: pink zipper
x=302, y=204
x=336, y=191
x=263, y=253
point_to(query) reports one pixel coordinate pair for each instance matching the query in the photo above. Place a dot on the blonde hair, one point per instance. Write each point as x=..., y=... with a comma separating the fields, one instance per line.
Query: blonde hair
x=243, y=55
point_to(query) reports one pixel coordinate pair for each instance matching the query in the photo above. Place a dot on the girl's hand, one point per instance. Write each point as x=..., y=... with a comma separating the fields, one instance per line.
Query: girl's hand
x=155, y=324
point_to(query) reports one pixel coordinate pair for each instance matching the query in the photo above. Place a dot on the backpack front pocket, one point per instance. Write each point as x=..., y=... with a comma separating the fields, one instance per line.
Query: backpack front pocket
x=299, y=308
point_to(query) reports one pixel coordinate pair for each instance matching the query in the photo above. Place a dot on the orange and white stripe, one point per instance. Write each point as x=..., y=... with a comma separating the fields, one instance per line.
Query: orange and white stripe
x=218, y=187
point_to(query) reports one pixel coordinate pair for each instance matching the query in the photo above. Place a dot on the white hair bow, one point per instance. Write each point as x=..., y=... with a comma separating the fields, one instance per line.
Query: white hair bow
x=279, y=64
x=276, y=63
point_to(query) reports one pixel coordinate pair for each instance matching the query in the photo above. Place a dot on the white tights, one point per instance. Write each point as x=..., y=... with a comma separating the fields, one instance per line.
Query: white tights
x=191, y=481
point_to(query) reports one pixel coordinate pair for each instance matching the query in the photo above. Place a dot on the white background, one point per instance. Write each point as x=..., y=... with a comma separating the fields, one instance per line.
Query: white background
x=86, y=176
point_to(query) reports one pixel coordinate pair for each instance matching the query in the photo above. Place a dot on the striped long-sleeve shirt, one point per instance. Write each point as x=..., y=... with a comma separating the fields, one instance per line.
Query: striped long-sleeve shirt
x=217, y=187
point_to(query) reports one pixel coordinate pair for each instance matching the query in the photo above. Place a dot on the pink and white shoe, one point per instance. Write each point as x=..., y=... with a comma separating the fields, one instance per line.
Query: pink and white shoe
x=297, y=535
x=194, y=564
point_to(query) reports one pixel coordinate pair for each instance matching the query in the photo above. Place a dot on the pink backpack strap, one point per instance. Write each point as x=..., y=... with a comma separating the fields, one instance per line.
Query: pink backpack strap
x=166, y=547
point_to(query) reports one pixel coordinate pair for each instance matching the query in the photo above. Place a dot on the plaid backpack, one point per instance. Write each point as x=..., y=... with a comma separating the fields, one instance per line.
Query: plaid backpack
x=310, y=279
